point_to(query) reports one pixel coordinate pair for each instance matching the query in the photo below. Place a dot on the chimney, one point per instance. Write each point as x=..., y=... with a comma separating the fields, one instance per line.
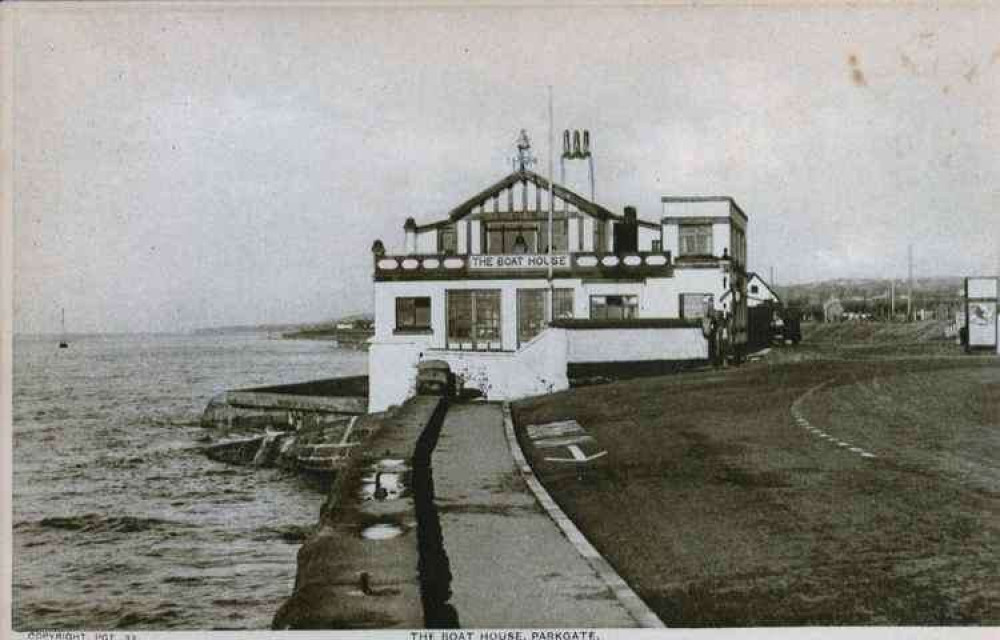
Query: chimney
x=577, y=164
x=410, y=227
x=627, y=232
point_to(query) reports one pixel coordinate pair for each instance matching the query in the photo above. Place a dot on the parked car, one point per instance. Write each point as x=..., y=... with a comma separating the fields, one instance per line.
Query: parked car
x=434, y=378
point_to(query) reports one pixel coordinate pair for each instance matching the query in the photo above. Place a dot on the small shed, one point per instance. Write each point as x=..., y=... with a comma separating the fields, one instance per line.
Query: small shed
x=833, y=310
x=760, y=292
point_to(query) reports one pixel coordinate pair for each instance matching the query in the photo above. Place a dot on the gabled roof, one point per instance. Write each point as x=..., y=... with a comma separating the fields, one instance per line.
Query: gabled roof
x=581, y=203
x=753, y=274
x=586, y=206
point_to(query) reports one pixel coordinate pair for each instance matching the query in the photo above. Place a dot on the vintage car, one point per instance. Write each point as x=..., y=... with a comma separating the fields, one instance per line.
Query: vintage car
x=434, y=378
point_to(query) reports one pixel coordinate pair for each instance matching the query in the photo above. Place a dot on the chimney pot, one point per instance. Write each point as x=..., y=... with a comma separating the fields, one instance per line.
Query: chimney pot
x=410, y=224
x=586, y=142
x=576, y=144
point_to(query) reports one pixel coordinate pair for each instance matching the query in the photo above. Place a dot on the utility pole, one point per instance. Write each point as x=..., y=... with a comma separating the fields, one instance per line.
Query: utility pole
x=892, y=300
x=909, y=292
x=551, y=209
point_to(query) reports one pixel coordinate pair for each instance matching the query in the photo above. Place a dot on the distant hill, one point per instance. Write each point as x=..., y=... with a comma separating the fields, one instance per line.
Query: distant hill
x=311, y=327
x=926, y=291
x=247, y=328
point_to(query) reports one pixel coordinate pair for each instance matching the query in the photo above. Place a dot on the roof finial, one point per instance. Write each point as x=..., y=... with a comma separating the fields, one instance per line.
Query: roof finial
x=524, y=158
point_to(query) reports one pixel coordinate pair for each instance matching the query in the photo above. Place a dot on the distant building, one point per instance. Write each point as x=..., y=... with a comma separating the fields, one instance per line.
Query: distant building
x=833, y=310
x=480, y=288
x=760, y=292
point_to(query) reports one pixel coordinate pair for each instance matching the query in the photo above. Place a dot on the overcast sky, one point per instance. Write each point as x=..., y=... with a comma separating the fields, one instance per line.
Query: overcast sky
x=187, y=166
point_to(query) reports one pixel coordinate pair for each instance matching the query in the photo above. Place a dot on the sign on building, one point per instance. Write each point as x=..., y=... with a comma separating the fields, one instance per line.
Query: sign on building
x=981, y=295
x=520, y=261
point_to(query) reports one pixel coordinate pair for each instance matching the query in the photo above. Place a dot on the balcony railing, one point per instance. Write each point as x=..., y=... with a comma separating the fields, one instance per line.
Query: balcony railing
x=633, y=264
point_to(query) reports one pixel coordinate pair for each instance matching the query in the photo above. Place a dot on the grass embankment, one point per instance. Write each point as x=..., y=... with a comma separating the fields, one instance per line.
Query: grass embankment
x=722, y=511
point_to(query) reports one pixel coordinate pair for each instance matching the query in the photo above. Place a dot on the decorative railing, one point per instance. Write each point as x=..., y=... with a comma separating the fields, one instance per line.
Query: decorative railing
x=634, y=264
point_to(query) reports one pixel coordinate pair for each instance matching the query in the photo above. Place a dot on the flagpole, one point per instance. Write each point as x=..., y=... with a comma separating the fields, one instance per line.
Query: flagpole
x=551, y=209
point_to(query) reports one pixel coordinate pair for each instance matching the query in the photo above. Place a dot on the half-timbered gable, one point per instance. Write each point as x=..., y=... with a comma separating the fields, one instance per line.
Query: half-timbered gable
x=512, y=216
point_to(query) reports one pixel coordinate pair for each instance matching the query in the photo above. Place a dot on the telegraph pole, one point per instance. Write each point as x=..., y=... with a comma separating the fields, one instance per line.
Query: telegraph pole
x=892, y=300
x=909, y=292
x=551, y=209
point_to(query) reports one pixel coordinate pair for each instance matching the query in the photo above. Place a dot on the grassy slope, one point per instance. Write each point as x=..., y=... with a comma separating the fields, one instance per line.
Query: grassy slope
x=722, y=512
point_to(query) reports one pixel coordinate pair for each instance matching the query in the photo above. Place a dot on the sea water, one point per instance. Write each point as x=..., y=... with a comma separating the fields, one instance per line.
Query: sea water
x=119, y=521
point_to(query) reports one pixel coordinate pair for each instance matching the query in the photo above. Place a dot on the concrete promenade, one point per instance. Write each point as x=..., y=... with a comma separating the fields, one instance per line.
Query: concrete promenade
x=511, y=566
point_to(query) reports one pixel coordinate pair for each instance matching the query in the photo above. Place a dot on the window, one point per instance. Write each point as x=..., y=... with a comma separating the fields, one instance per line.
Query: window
x=600, y=236
x=531, y=316
x=506, y=238
x=474, y=320
x=754, y=289
x=413, y=314
x=657, y=246
x=696, y=240
x=532, y=310
x=562, y=303
x=560, y=236
x=447, y=240
x=613, y=307
x=696, y=305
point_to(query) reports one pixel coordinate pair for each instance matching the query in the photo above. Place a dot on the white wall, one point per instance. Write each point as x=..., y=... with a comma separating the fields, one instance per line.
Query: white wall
x=720, y=239
x=476, y=236
x=538, y=367
x=628, y=345
x=646, y=237
x=701, y=280
x=671, y=239
x=427, y=241
x=392, y=374
x=588, y=234
x=462, y=237
x=709, y=208
x=573, y=229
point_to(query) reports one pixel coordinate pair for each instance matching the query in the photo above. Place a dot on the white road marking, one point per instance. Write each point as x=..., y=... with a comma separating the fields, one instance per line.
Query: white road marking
x=802, y=421
x=578, y=455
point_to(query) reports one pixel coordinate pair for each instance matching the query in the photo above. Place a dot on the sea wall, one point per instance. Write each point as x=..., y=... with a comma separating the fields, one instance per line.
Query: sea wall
x=367, y=565
x=279, y=407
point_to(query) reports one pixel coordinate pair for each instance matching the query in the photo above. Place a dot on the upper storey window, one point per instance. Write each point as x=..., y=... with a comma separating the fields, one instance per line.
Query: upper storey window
x=696, y=240
x=447, y=240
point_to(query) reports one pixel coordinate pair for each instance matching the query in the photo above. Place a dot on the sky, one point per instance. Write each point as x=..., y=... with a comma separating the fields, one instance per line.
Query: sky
x=182, y=166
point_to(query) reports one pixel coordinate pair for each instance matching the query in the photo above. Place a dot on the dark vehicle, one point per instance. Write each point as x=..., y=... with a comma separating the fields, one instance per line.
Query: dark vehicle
x=792, y=326
x=434, y=378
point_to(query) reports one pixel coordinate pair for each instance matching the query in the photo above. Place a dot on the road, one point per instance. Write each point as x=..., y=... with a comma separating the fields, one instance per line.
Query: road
x=823, y=492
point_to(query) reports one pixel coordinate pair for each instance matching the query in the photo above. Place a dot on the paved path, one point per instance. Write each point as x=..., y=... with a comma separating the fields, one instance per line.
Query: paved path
x=511, y=565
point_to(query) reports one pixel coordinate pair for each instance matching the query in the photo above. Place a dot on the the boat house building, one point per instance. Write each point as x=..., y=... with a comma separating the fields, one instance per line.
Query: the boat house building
x=518, y=308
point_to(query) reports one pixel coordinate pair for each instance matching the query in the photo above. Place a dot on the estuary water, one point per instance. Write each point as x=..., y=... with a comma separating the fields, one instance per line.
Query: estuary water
x=119, y=521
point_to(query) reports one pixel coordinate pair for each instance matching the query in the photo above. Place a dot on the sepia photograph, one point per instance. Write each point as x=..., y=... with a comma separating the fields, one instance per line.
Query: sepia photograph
x=500, y=321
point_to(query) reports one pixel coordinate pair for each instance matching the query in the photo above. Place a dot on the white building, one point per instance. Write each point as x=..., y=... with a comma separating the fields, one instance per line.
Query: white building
x=480, y=289
x=760, y=292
